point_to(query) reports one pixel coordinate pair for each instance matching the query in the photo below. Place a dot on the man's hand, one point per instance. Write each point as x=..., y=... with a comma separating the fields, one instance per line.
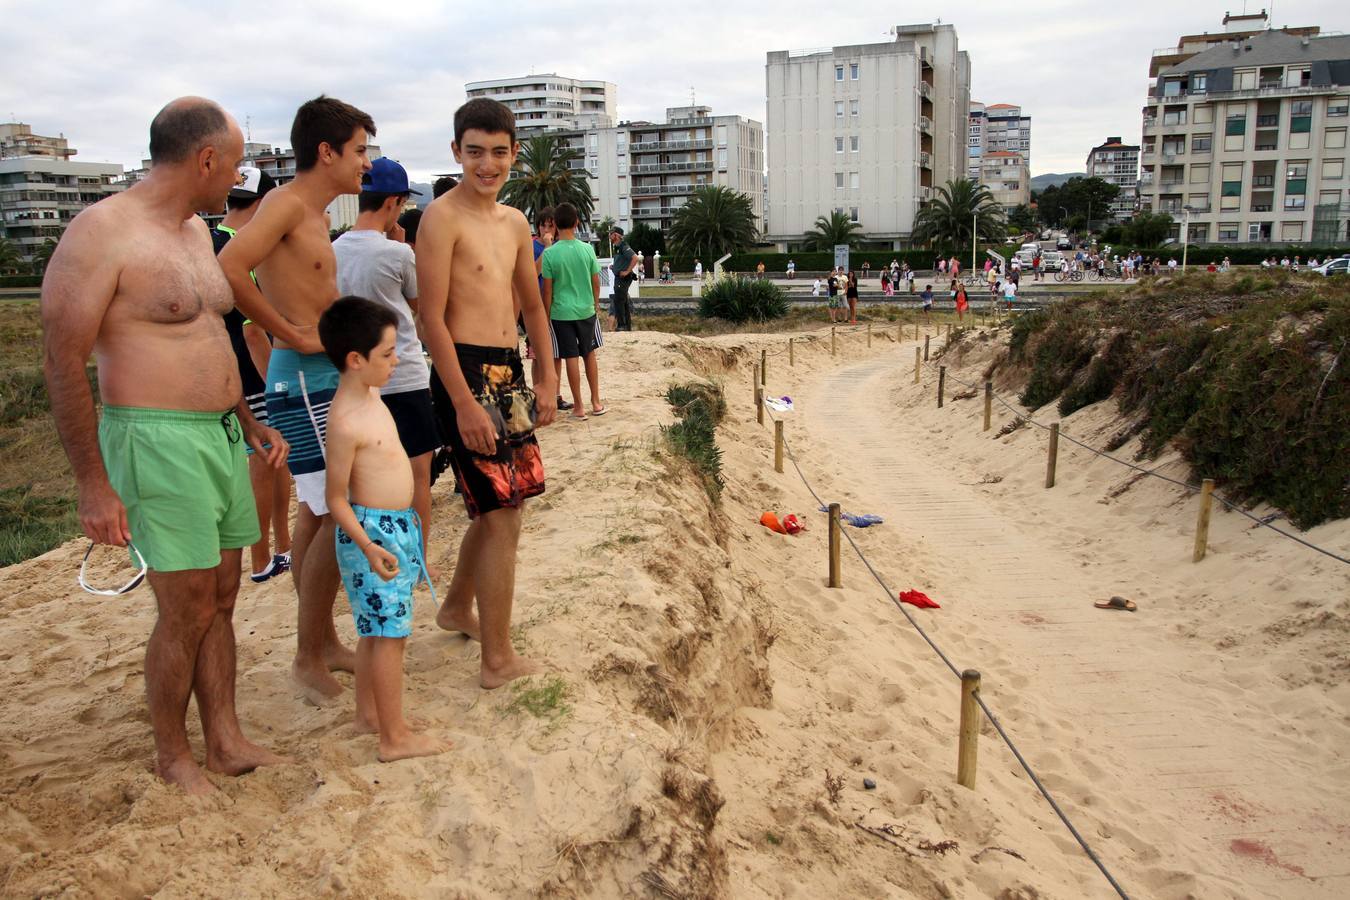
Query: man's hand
x=382, y=562
x=267, y=443
x=545, y=402
x=476, y=429
x=397, y=234
x=308, y=339
x=103, y=516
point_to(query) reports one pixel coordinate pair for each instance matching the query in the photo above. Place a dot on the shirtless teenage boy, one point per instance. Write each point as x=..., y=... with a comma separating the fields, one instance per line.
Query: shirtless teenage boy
x=287, y=243
x=135, y=282
x=471, y=252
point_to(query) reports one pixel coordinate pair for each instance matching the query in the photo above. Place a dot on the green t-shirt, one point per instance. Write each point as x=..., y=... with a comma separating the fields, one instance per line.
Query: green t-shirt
x=570, y=265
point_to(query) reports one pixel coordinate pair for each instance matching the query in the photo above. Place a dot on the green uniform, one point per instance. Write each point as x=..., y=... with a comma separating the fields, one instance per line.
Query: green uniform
x=183, y=477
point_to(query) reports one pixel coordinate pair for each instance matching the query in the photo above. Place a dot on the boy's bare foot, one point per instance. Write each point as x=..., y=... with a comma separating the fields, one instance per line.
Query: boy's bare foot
x=518, y=667
x=362, y=725
x=412, y=745
x=339, y=659
x=240, y=757
x=187, y=775
x=315, y=683
x=465, y=623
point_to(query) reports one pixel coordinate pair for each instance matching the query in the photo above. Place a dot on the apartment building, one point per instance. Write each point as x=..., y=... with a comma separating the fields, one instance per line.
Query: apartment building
x=645, y=171
x=867, y=130
x=551, y=102
x=974, y=140
x=998, y=127
x=1244, y=137
x=1117, y=163
x=42, y=188
x=1006, y=174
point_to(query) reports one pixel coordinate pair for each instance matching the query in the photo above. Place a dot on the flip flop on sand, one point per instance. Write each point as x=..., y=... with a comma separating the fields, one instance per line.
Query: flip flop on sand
x=599, y=410
x=1116, y=603
x=577, y=418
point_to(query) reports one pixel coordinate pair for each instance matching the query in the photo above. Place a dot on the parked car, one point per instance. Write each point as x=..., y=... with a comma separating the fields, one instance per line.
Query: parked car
x=1027, y=253
x=1334, y=267
x=1063, y=244
x=1050, y=260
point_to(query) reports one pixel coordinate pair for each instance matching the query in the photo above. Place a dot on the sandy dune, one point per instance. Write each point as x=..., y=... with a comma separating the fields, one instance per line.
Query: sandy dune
x=714, y=683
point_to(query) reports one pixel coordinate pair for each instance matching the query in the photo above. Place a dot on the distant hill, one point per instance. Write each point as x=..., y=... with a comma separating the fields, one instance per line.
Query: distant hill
x=1041, y=182
x=426, y=198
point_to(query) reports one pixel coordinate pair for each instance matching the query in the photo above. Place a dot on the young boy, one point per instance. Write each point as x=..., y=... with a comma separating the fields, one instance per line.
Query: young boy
x=472, y=252
x=572, y=299
x=927, y=298
x=369, y=491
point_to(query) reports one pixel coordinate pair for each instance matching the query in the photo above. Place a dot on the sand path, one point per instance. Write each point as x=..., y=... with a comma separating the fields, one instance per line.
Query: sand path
x=1126, y=687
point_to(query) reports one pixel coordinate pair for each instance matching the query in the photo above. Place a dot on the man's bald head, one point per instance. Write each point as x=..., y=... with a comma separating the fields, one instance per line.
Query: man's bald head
x=184, y=127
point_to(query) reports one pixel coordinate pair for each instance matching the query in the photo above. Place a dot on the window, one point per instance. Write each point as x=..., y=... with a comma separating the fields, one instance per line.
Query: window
x=839, y=109
x=1174, y=115
x=623, y=206
x=1232, y=189
x=1338, y=108
x=1300, y=108
x=722, y=158
x=853, y=142
x=1333, y=138
x=1291, y=231
x=1202, y=115
x=623, y=167
x=853, y=71
x=853, y=180
x=1228, y=231
x=1236, y=124
x=1201, y=143
x=1172, y=87
x=853, y=108
x=838, y=181
x=721, y=135
x=1198, y=201
x=1267, y=140
x=1300, y=140
x=838, y=73
x=1199, y=82
x=1333, y=169
x=838, y=145
x=1200, y=174
x=853, y=214
x=1294, y=202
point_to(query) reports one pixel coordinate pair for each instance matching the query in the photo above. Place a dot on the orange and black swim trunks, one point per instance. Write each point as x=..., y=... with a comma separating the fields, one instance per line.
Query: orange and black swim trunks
x=516, y=470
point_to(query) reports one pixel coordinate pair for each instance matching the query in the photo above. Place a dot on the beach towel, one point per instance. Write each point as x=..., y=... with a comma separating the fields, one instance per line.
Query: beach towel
x=919, y=599
x=863, y=521
x=779, y=404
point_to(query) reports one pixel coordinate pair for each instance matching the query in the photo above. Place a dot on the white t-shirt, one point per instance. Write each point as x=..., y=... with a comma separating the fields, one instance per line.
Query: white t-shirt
x=698, y=270
x=370, y=265
x=1009, y=290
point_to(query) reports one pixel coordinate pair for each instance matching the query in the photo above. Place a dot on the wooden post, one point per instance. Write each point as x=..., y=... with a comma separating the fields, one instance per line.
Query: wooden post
x=792, y=354
x=917, y=354
x=916, y=331
x=988, y=402
x=869, y=334
x=1053, y=457
x=926, y=338
x=759, y=404
x=942, y=384
x=1202, y=524
x=778, y=445
x=968, y=749
x=763, y=367
x=900, y=334
x=834, y=546
x=754, y=382
x=949, y=332
x=833, y=343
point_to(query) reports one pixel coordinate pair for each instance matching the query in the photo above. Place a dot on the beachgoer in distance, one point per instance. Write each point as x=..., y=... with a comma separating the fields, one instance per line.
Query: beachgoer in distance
x=572, y=300
x=927, y=298
x=791, y=269
x=134, y=282
x=851, y=294
x=962, y=302
x=287, y=244
x=408, y=221
x=442, y=185
x=372, y=263
x=625, y=266
x=271, y=489
x=380, y=543
x=473, y=251
x=834, y=303
x=698, y=270
x=545, y=233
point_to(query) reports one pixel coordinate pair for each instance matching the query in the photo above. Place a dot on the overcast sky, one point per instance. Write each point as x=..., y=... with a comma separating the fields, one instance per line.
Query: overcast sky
x=98, y=72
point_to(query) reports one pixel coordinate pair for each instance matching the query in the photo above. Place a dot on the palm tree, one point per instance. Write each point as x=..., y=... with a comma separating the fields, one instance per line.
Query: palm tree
x=947, y=220
x=832, y=231
x=43, y=255
x=716, y=220
x=11, y=261
x=543, y=178
x=600, y=234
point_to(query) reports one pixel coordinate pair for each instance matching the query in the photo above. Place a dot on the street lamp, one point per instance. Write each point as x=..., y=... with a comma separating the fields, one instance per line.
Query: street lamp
x=974, y=236
x=1185, y=234
x=1066, y=215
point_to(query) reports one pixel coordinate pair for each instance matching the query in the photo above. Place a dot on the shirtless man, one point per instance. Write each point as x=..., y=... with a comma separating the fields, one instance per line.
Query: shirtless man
x=135, y=282
x=473, y=252
x=287, y=243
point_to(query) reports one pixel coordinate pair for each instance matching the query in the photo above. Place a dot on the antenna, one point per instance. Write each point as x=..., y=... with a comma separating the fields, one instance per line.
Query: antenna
x=693, y=101
x=248, y=128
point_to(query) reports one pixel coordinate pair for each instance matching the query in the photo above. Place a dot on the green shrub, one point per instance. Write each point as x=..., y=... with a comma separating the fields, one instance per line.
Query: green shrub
x=31, y=524
x=740, y=299
x=1057, y=353
x=699, y=406
x=1099, y=380
x=18, y=281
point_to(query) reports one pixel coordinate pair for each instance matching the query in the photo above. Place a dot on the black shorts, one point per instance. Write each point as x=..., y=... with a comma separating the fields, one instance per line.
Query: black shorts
x=515, y=471
x=575, y=337
x=415, y=420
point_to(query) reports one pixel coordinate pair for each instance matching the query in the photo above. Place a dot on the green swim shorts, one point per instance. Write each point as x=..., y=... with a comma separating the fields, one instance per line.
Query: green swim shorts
x=183, y=477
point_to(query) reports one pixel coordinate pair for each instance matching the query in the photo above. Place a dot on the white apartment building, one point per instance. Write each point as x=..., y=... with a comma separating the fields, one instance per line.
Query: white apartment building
x=551, y=102
x=42, y=188
x=1244, y=137
x=1117, y=163
x=868, y=130
x=644, y=171
x=1007, y=176
x=994, y=128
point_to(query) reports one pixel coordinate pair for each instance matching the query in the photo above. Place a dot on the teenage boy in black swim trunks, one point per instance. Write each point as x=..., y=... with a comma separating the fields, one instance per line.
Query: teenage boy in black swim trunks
x=471, y=253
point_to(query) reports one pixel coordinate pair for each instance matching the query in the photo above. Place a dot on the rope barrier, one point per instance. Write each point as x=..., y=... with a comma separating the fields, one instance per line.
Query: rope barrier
x=1188, y=486
x=993, y=720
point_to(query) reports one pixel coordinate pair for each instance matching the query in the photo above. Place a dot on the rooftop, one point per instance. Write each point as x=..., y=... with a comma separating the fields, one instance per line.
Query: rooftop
x=1268, y=48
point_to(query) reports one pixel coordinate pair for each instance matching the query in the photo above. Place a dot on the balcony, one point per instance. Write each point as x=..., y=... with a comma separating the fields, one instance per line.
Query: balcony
x=654, y=212
x=1277, y=90
x=659, y=190
x=657, y=146
x=926, y=90
x=1268, y=121
x=925, y=160
x=656, y=168
x=925, y=124
x=1171, y=183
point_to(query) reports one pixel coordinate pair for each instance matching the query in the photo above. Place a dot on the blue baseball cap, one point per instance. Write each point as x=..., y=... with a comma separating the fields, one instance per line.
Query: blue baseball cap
x=387, y=177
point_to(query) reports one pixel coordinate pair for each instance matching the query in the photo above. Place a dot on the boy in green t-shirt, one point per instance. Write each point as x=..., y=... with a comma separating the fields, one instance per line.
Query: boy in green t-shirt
x=572, y=297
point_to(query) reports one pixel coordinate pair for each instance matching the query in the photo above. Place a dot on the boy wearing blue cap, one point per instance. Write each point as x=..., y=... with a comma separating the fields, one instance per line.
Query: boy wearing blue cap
x=372, y=265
